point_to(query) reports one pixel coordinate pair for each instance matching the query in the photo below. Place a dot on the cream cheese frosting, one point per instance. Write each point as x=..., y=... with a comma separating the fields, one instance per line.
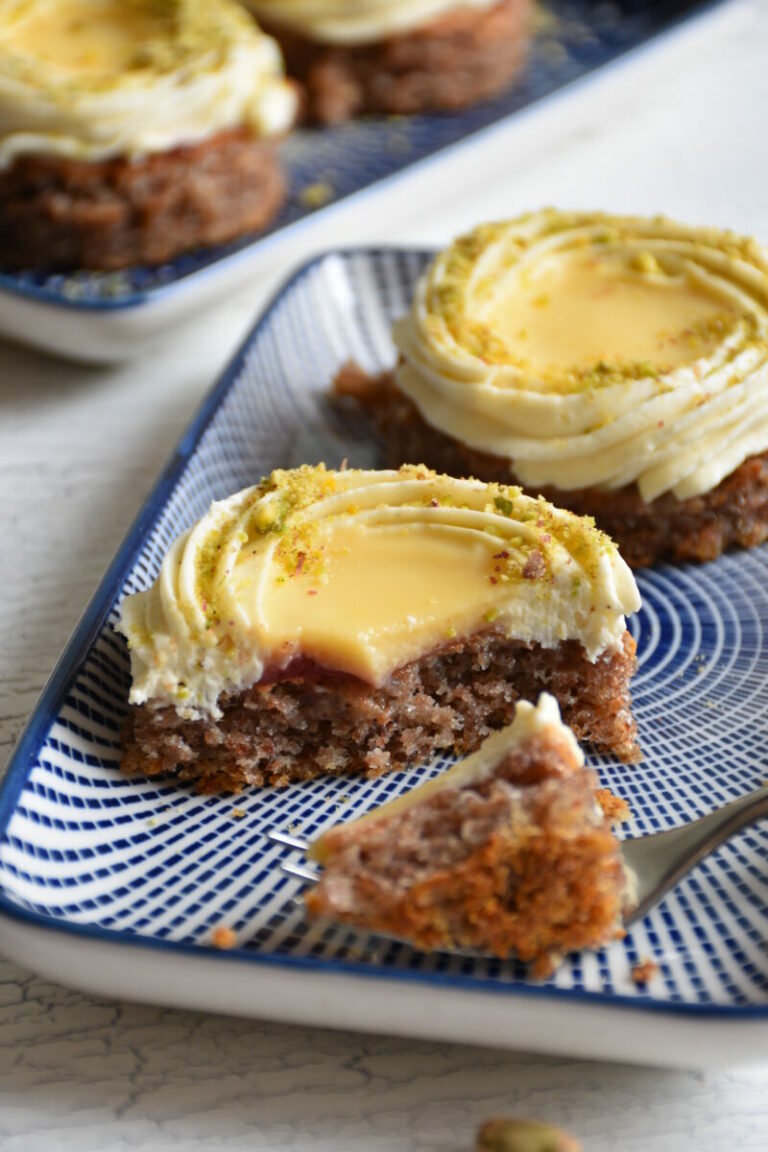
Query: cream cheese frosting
x=363, y=572
x=93, y=79
x=595, y=351
x=349, y=22
x=530, y=721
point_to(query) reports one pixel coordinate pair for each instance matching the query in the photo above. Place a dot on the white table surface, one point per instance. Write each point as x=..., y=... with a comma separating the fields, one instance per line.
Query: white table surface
x=679, y=128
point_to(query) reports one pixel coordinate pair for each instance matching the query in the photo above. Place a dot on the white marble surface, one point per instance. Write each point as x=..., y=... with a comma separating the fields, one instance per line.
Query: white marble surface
x=679, y=128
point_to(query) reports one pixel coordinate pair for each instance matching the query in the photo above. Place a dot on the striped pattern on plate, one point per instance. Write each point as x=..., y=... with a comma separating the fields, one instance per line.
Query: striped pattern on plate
x=80, y=844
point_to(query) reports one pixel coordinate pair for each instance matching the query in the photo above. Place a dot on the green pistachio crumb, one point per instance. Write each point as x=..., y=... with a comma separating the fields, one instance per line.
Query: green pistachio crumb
x=645, y=262
x=316, y=195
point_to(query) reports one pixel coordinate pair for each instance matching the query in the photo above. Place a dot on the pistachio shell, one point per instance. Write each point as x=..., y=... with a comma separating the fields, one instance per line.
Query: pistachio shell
x=502, y=1134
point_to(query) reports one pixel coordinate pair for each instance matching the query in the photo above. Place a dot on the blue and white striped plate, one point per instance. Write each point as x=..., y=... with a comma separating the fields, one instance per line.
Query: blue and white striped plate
x=572, y=38
x=102, y=860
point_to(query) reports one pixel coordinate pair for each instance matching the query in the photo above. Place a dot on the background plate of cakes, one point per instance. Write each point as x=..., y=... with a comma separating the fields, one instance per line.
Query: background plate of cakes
x=441, y=689
x=151, y=152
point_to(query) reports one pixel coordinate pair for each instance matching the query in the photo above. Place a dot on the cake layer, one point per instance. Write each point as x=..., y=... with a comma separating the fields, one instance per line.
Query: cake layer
x=95, y=79
x=363, y=573
x=508, y=852
x=363, y=22
x=307, y=722
x=107, y=214
x=593, y=351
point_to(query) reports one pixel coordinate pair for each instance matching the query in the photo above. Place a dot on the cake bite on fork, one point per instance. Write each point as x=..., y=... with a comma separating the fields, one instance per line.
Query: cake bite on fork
x=509, y=853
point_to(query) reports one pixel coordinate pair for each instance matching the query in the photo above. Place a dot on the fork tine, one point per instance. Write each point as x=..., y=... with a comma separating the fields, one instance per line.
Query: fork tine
x=301, y=872
x=288, y=841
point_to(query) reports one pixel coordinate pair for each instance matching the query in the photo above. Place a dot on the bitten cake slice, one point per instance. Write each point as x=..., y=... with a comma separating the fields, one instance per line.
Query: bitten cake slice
x=361, y=621
x=617, y=366
x=508, y=852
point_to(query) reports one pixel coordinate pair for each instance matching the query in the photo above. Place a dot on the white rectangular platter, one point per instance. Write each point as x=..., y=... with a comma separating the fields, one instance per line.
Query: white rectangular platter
x=116, y=885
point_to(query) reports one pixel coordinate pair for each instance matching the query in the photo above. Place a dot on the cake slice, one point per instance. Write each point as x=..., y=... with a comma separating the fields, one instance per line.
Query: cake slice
x=509, y=852
x=132, y=131
x=615, y=365
x=359, y=622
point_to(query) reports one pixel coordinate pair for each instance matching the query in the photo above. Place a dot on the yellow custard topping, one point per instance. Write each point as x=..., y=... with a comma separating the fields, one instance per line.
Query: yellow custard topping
x=581, y=309
x=363, y=572
x=595, y=351
x=91, y=79
x=358, y=611
x=358, y=21
x=86, y=37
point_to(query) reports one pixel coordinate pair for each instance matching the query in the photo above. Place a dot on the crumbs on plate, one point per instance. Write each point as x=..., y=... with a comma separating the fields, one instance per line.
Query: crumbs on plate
x=645, y=971
x=223, y=938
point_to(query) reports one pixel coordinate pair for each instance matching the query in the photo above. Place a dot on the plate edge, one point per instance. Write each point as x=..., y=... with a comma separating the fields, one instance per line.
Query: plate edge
x=92, y=621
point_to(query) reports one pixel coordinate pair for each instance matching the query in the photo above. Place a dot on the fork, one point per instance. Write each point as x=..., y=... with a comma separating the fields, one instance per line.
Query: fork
x=656, y=863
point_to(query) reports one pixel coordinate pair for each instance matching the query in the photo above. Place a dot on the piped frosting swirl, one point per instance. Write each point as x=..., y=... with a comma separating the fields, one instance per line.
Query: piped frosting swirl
x=362, y=572
x=92, y=79
x=595, y=351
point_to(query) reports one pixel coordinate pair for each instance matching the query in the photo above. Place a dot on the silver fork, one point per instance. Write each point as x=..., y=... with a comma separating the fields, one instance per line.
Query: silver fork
x=661, y=860
x=657, y=862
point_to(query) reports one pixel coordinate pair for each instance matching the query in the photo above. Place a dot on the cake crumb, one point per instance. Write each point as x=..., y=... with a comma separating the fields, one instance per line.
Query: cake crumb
x=616, y=809
x=223, y=938
x=238, y=813
x=645, y=971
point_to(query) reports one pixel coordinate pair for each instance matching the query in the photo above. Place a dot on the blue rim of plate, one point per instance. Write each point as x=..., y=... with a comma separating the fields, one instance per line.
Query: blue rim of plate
x=579, y=40
x=85, y=635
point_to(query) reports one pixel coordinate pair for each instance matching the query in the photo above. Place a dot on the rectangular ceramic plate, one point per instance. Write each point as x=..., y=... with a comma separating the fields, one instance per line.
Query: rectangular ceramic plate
x=105, y=315
x=130, y=878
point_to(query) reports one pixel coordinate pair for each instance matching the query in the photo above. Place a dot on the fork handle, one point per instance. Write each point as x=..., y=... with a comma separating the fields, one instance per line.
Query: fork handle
x=659, y=861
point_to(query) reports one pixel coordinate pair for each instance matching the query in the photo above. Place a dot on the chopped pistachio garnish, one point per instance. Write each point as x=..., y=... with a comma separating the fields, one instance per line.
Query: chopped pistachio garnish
x=316, y=195
x=647, y=263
